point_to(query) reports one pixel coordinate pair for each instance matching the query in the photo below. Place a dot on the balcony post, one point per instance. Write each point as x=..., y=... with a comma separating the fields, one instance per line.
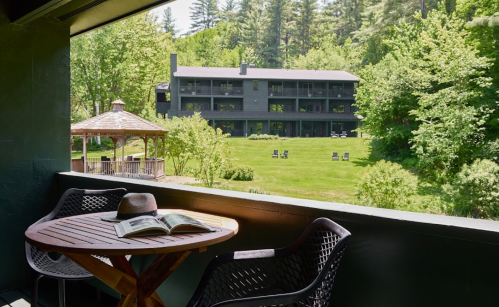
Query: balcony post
x=84, y=153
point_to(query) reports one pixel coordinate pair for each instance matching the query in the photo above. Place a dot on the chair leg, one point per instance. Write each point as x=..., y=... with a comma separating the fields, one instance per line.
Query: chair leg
x=34, y=288
x=62, y=291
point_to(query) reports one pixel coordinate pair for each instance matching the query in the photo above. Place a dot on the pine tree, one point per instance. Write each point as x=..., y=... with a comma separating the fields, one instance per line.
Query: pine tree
x=305, y=24
x=251, y=23
x=278, y=17
x=204, y=15
x=228, y=12
x=169, y=22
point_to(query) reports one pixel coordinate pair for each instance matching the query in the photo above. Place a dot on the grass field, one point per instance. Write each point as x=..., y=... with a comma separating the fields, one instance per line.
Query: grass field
x=309, y=172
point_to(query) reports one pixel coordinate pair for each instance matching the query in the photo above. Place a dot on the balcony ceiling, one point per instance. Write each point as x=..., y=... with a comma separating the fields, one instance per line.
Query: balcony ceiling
x=80, y=15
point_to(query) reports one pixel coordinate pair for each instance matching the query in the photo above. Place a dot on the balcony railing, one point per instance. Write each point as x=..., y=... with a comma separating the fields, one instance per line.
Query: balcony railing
x=394, y=258
x=198, y=90
x=138, y=168
x=234, y=91
x=348, y=93
x=283, y=92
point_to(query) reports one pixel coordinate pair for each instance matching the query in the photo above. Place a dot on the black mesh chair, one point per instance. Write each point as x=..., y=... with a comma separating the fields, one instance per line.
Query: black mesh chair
x=54, y=265
x=299, y=275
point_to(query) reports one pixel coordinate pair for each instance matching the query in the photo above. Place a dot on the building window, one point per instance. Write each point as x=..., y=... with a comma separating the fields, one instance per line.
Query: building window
x=276, y=107
x=340, y=108
x=255, y=85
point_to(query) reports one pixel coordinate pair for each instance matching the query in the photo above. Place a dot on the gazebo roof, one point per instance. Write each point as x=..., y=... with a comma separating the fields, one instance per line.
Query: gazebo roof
x=117, y=122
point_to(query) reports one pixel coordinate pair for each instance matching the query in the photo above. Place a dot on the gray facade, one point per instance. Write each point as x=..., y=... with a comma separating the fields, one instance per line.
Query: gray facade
x=246, y=100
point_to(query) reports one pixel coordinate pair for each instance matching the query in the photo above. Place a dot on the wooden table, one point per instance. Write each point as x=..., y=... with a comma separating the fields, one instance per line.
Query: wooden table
x=80, y=237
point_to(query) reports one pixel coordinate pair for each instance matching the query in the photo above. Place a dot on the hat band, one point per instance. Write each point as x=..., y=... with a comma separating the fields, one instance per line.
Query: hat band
x=126, y=216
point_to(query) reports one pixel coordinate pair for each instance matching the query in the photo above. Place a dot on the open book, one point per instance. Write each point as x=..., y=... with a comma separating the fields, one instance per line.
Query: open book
x=168, y=224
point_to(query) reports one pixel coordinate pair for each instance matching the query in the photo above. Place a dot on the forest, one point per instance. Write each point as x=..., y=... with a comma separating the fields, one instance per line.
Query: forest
x=429, y=72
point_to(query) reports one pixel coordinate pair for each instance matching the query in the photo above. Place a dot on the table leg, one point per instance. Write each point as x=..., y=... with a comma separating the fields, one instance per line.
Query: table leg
x=136, y=290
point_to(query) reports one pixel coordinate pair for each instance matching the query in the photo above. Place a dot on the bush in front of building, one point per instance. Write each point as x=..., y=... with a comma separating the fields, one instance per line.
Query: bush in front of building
x=386, y=185
x=240, y=173
x=263, y=137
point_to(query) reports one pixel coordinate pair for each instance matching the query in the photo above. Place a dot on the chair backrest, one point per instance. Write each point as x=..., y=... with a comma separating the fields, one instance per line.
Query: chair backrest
x=275, y=152
x=301, y=274
x=312, y=261
x=343, y=133
x=347, y=155
x=78, y=201
x=335, y=155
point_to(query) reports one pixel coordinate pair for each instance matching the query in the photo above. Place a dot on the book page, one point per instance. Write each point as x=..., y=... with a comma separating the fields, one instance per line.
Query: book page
x=178, y=223
x=142, y=225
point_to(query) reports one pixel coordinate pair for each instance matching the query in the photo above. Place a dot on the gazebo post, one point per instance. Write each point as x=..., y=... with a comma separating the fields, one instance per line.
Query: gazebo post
x=122, y=141
x=164, y=146
x=114, y=139
x=85, y=153
x=155, y=156
x=146, y=139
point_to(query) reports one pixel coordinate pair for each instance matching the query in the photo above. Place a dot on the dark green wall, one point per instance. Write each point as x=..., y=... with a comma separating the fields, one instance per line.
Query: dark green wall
x=34, y=131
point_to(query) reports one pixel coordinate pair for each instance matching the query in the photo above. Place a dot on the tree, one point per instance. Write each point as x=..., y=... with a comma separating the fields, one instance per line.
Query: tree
x=204, y=15
x=305, y=25
x=169, y=22
x=427, y=94
x=124, y=60
x=228, y=12
x=278, y=18
x=191, y=138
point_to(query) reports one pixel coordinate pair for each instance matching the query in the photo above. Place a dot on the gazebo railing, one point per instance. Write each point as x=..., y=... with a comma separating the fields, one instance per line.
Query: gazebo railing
x=137, y=168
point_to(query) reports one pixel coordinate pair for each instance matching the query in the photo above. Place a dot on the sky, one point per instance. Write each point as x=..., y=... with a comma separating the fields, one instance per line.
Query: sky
x=180, y=11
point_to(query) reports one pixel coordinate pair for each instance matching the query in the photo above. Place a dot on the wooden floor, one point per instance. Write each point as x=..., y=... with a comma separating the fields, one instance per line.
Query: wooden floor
x=78, y=294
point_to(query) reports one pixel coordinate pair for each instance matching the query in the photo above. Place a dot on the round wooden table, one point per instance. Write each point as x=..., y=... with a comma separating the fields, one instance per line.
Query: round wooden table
x=80, y=237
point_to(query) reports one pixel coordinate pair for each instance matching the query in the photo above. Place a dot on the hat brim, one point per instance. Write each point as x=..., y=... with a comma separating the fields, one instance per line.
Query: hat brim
x=111, y=216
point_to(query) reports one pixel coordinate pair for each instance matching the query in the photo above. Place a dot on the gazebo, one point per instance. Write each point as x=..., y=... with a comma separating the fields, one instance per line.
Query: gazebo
x=119, y=125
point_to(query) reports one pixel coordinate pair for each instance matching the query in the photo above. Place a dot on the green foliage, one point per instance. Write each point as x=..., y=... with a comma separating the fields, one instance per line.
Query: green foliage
x=240, y=173
x=427, y=94
x=258, y=191
x=124, y=61
x=475, y=190
x=264, y=137
x=204, y=15
x=191, y=138
x=386, y=185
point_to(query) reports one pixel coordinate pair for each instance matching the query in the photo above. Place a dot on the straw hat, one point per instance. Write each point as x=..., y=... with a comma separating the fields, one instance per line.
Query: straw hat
x=133, y=205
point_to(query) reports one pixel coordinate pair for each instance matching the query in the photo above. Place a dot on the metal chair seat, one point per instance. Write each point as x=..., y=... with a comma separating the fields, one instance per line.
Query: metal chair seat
x=55, y=265
x=299, y=275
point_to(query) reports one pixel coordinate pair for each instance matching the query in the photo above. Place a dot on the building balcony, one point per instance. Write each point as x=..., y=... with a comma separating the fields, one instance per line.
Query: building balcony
x=231, y=91
x=198, y=90
x=394, y=258
x=271, y=115
x=285, y=92
x=341, y=93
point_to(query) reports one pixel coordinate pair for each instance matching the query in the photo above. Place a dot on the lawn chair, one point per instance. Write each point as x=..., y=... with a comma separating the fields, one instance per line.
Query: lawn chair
x=275, y=154
x=284, y=155
x=343, y=134
x=54, y=265
x=334, y=134
x=299, y=275
x=335, y=156
x=346, y=156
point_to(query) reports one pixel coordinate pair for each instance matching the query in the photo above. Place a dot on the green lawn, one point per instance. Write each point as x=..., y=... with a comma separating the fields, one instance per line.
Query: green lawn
x=309, y=172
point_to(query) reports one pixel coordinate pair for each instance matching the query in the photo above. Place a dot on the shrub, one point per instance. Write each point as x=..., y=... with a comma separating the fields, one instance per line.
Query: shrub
x=258, y=191
x=264, y=137
x=475, y=190
x=386, y=185
x=238, y=173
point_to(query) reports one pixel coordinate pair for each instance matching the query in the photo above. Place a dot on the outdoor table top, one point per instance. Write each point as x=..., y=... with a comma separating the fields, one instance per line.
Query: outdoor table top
x=88, y=234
